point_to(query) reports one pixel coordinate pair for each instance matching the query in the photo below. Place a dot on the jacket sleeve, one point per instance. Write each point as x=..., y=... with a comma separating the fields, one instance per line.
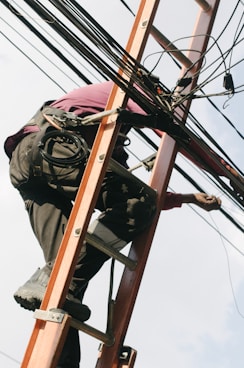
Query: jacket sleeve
x=172, y=200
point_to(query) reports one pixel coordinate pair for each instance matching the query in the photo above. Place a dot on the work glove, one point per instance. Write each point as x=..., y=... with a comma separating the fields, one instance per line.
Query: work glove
x=162, y=121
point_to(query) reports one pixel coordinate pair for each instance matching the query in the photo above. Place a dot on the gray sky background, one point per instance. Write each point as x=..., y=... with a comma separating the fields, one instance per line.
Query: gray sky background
x=190, y=308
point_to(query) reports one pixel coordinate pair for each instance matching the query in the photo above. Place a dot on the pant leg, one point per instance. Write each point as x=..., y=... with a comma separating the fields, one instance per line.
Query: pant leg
x=48, y=212
x=70, y=356
x=126, y=210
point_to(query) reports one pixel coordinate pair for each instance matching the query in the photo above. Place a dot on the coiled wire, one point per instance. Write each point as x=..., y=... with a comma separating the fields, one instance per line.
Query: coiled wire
x=79, y=157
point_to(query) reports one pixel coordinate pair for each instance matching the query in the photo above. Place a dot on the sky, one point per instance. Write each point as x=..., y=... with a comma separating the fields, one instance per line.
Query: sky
x=190, y=309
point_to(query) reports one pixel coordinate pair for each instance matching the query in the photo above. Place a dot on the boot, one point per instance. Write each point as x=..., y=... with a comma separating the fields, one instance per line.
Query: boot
x=31, y=294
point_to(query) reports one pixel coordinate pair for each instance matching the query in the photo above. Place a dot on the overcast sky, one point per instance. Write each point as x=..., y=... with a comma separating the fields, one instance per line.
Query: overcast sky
x=190, y=308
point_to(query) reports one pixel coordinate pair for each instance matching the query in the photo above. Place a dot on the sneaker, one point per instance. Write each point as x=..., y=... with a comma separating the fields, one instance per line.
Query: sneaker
x=31, y=294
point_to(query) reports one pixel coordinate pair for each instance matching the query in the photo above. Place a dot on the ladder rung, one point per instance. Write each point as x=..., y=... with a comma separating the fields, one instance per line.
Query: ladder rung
x=204, y=5
x=171, y=48
x=99, y=244
x=106, y=338
x=122, y=171
x=56, y=315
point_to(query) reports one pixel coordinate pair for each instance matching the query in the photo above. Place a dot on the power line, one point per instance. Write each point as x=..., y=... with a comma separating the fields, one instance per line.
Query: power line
x=5, y=354
x=93, y=31
x=9, y=357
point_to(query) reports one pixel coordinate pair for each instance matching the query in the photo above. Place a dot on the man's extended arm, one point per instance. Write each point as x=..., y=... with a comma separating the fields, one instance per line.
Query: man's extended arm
x=202, y=200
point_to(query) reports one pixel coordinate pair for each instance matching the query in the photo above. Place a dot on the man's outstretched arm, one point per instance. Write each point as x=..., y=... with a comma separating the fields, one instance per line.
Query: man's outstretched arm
x=202, y=200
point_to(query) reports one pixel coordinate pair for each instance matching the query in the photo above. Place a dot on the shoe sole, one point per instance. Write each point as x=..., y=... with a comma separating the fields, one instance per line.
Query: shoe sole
x=30, y=305
x=78, y=311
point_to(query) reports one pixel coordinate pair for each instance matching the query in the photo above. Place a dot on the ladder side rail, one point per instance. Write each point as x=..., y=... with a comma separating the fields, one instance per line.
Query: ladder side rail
x=204, y=4
x=186, y=61
x=46, y=331
x=130, y=281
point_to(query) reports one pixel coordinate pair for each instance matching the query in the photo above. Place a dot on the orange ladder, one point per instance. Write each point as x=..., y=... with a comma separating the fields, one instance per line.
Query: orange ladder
x=52, y=324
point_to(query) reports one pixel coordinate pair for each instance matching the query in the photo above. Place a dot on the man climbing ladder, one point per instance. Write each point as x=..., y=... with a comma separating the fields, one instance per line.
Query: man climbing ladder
x=134, y=203
x=42, y=168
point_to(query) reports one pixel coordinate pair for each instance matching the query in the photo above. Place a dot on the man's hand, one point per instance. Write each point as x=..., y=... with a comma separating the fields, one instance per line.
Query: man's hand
x=206, y=201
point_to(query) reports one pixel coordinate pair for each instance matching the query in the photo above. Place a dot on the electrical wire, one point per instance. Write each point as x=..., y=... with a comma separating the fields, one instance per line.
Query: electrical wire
x=9, y=357
x=235, y=39
x=208, y=79
x=152, y=145
x=102, y=43
x=229, y=51
x=229, y=270
x=222, y=56
x=64, y=50
x=38, y=51
x=51, y=16
x=190, y=95
x=22, y=52
x=182, y=38
x=114, y=76
x=96, y=32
